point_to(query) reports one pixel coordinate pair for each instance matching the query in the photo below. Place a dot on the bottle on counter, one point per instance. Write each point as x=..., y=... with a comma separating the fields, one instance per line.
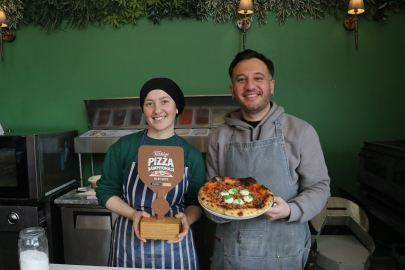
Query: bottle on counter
x=33, y=249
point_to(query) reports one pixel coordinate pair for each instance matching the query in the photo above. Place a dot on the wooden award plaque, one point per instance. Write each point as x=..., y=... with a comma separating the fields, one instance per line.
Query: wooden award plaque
x=161, y=168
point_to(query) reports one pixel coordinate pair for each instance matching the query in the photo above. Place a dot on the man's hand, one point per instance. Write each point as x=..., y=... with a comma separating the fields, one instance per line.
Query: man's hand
x=136, y=218
x=280, y=210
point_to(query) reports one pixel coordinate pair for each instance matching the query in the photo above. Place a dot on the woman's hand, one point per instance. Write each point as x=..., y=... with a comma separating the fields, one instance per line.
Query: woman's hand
x=136, y=218
x=184, y=228
x=280, y=210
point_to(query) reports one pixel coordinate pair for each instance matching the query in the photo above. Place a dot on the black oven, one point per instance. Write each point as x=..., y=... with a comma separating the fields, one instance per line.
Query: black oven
x=34, y=165
x=35, y=168
x=382, y=172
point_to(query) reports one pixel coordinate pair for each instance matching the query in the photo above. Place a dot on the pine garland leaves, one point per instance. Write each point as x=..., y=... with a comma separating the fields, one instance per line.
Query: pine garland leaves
x=60, y=14
x=13, y=10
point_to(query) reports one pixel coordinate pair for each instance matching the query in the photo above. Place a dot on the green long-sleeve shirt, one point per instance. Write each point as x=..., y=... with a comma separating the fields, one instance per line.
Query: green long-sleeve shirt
x=122, y=154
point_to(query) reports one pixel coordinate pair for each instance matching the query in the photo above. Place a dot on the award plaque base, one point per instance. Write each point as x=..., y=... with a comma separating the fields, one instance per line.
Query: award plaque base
x=167, y=229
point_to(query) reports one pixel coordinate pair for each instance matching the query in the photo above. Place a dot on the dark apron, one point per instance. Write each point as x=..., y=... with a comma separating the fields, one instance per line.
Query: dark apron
x=126, y=250
x=258, y=243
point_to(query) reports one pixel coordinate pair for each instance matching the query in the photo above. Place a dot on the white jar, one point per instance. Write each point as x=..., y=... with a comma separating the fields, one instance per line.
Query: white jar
x=33, y=249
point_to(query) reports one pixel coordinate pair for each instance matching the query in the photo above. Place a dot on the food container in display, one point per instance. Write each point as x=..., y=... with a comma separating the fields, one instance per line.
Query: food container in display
x=202, y=116
x=186, y=117
x=135, y=118
x=182, y=132
x=119, y=117
x=103, y=118
x=218, y=115
x=199, y=132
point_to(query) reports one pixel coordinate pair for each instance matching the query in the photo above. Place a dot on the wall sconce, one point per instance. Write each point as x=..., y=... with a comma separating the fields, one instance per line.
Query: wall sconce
x=355, y=7
x=5, y=33
x=245, y=7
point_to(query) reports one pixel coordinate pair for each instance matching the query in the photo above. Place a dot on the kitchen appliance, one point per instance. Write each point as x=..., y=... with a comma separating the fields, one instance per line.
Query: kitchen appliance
x=34, y=165
x=35, y=168
x=86, y=233
x=340, y=251
x=379, y=191
x=381, y=172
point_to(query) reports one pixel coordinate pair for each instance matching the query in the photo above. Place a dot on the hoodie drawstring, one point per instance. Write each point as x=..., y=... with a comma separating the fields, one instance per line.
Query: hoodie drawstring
x=251, y=133
x=260, y=131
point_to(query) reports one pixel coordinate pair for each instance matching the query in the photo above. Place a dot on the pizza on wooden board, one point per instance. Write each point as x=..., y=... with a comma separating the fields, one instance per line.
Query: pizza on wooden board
x=235, y=197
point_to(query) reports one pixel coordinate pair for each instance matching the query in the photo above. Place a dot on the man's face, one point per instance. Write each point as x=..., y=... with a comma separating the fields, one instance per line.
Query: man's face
x=252, y=86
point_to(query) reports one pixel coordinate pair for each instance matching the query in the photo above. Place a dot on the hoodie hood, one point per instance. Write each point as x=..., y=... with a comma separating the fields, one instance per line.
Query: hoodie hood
x=234, y=118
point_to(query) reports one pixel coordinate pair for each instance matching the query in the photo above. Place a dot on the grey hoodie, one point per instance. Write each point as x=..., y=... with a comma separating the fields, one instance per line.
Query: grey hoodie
x=306, y=162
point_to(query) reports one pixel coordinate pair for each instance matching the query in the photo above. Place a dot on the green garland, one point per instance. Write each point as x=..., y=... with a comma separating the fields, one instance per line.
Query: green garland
x=49, y=14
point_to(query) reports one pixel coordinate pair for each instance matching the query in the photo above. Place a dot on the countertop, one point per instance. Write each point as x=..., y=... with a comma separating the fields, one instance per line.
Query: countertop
x=84, y=267
x=72, y=197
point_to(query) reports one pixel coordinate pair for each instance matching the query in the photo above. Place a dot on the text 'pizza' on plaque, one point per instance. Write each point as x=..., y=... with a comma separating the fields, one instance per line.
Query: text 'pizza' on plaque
x=161, y=168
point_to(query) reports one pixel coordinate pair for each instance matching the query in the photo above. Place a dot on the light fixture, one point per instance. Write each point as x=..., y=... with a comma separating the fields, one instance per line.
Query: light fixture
x=355, y=7
x=245, y=7
x=5, y=33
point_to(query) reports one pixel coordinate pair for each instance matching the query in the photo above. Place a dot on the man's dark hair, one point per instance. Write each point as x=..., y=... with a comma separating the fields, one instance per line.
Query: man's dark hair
x=249, y=54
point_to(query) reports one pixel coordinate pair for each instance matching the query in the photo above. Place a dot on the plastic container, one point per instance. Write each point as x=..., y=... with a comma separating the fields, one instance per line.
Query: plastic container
x=119, y=117
x=136, y=116
x=93, y=180
x=199, y=132
x=182, y=132
x=103, y=118
x=186, y=117
x=33, y=249
x=202, y=116
x=218, y=115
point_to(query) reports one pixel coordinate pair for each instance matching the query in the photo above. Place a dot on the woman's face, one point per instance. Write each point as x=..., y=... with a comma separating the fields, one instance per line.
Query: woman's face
x=160, y=112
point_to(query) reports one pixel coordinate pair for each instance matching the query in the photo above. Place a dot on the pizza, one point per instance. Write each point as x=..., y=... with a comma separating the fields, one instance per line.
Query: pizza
x=160, y=173
x=235, y=197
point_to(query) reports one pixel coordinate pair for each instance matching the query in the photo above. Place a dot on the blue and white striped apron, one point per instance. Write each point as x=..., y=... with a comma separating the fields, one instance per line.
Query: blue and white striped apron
x=126, y=250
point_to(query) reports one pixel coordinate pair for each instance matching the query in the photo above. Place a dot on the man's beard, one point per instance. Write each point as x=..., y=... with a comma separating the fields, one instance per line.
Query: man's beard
x=255, y=108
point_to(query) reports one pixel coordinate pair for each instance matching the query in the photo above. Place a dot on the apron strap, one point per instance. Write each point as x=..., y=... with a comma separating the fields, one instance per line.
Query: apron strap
x=279, y=128
x=179, y=144
x=178, y=140
x=142, y=142
x=232, y=136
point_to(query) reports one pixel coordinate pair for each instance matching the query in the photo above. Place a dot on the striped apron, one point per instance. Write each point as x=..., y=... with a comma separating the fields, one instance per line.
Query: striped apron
x=126, y=250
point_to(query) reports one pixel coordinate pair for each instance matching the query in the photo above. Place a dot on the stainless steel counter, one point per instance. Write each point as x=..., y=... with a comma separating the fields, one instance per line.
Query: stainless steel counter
x=86, y=230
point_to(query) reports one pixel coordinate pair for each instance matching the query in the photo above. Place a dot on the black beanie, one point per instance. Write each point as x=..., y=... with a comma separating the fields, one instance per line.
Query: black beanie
x=166, y=85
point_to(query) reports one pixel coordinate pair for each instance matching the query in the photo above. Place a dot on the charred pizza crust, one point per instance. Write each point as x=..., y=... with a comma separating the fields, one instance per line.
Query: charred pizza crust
x=235, y=203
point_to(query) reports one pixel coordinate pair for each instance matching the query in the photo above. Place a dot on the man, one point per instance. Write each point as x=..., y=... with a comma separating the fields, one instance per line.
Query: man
x=281, y=152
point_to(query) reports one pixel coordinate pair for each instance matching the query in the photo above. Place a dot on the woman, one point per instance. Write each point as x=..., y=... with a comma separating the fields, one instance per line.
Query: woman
x=121, y=191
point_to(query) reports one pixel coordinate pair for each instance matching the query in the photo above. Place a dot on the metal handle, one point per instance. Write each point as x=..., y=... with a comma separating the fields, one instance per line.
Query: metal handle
x=62, y=158
x=366, y=156
x=12, y=218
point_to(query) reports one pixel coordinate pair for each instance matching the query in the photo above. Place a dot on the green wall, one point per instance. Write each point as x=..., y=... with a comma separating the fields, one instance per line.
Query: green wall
x=348, y=96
